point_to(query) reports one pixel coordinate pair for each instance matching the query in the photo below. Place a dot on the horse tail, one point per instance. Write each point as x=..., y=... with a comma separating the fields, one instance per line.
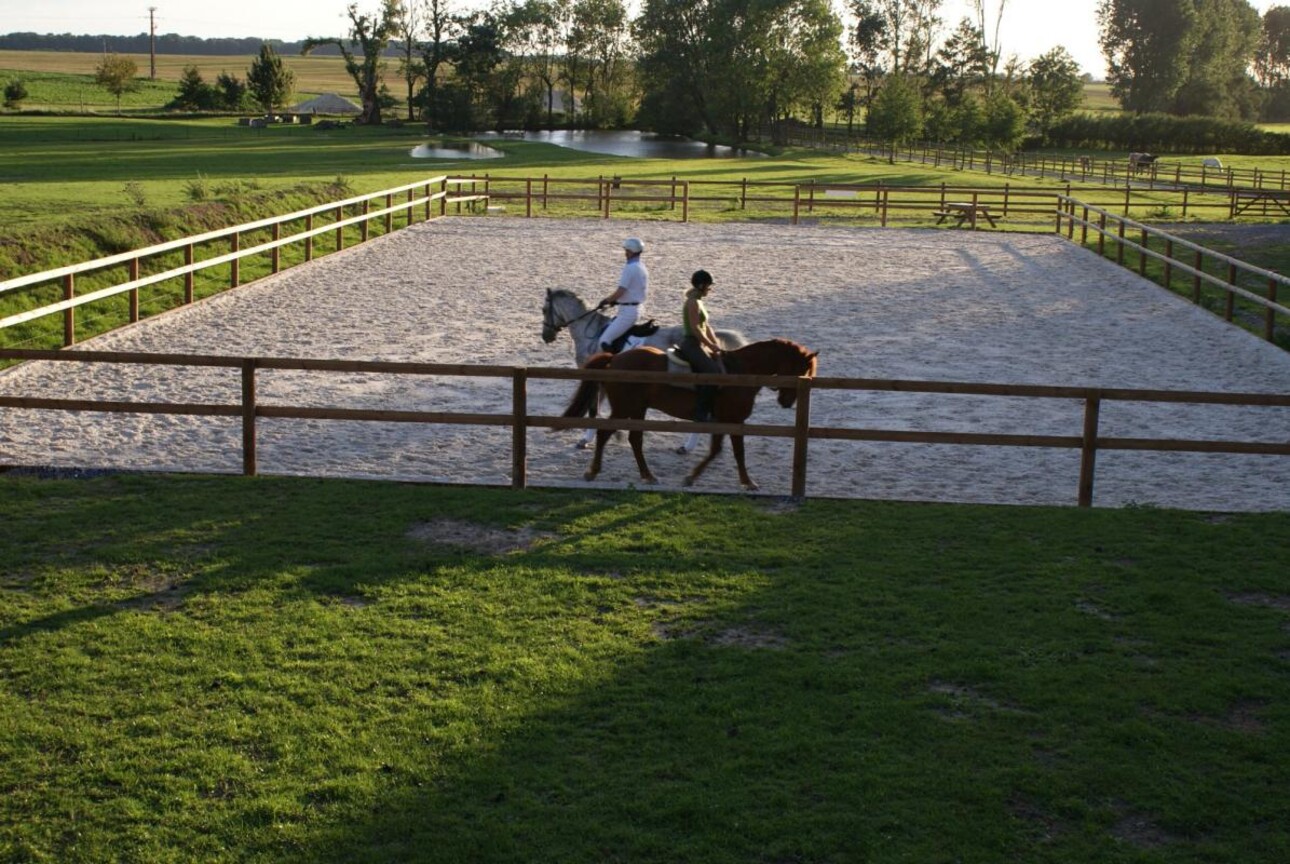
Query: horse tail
x=587, y=395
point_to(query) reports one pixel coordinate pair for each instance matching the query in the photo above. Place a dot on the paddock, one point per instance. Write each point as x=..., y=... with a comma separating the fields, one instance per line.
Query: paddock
x=895, y=303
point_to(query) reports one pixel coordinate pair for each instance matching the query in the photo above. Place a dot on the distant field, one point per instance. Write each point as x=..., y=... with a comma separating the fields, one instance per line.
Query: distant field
x=64, y=80
x=1097, y=97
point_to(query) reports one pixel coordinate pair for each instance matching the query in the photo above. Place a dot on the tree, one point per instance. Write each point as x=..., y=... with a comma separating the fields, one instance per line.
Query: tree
x=194, y=93
x=116, y=74
x=962, y=62
x=370, y=33
x=14, y=92
x=867, y=39
x=1005, y=122
x=406, y=29
x=1056, y=87
x=230, y=92
x=727, y=65
x=1218, y=83
x=991, y=51
x=440, y=27
x=897, y=111
x=1180, y=56
x=268, y=80
x=1272, y=59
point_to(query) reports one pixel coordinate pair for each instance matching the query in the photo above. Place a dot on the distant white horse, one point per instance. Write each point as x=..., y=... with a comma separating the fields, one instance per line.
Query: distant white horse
x=565, y=310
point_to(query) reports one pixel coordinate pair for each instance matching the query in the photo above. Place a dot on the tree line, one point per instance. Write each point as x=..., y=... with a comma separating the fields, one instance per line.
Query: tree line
x=167, y=43
x=738, y=70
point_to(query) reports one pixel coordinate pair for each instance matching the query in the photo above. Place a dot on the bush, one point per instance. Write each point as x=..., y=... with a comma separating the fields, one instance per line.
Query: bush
x=134, y=192
x=1165, y=133
x=14, y=92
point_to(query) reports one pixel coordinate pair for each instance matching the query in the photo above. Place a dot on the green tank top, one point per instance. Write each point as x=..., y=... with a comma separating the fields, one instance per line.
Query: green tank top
x=703, y=318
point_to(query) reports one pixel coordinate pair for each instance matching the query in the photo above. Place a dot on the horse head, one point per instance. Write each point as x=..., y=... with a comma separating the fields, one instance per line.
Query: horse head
x=797, y=362
x=560, y=309
x=549, y=330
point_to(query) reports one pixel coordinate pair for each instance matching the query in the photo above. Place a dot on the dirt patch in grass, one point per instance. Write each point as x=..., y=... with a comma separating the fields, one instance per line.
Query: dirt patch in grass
x=750, y=637
x=475, y=537
x=1139, y=830
x=1088, y=607
x=1255, y=598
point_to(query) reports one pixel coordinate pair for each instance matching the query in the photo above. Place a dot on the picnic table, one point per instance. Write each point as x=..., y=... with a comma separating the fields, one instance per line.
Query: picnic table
x=965, y=211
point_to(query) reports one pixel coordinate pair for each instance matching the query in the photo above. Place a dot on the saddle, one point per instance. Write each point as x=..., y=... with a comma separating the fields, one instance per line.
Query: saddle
x=634, y=337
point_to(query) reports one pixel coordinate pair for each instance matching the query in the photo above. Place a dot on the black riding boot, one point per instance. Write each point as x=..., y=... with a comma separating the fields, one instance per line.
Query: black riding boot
x=707, y=395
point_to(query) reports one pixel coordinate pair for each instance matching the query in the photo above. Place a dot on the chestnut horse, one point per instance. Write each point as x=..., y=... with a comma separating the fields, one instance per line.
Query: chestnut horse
x=733, y=404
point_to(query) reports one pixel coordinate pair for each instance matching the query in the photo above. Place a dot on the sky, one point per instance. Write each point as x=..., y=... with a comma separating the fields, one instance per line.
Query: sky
x=1030, y=27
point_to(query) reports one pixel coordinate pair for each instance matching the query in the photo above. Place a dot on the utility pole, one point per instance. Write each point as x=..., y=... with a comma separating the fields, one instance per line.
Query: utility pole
x=152, y=42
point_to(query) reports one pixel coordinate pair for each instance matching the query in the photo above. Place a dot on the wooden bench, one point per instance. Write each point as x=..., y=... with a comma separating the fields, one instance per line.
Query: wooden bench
x=964, y=211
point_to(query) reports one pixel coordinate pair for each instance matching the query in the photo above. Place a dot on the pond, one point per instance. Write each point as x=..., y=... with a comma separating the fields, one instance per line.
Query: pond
x=645, y=145
x=460, y=151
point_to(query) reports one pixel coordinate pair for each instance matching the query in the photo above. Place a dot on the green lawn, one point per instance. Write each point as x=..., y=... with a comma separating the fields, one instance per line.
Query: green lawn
x=228, y=669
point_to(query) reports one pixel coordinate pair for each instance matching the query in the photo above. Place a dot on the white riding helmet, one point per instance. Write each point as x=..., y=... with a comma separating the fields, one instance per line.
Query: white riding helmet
x=633, y=245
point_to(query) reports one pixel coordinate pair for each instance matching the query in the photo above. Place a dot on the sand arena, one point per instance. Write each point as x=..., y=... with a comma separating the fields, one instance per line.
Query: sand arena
x=915, y=304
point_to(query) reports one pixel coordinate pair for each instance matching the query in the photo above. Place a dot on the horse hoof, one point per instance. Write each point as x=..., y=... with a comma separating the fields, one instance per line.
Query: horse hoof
x=649, y=478
x=590, y=475
x=688, y=481
x=750, y=486
x=682, y=450
x=584, y=445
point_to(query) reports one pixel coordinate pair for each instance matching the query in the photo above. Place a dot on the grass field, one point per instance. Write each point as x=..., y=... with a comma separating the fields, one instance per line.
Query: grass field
x=64, y=80
x=226, y=669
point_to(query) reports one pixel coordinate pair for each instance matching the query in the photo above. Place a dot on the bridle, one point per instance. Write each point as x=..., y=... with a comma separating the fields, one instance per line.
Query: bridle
x=550, y=325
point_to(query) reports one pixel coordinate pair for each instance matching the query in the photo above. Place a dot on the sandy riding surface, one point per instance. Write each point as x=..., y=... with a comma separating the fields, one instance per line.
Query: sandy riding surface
x=939, y=305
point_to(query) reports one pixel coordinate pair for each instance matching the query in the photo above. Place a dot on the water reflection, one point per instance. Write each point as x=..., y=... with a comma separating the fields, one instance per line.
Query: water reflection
x=469, y=150
x=646, y=145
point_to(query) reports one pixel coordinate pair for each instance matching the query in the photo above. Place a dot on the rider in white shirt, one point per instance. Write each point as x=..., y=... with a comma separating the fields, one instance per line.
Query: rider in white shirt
x=633, y=285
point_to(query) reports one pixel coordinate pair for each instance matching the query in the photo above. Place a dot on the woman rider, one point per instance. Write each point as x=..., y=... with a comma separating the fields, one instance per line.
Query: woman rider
x=700, y=345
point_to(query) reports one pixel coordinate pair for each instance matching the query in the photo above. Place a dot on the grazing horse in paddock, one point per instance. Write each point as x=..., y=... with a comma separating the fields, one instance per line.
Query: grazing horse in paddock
x=733, y=404
x=565, y=310
x=1140, y=161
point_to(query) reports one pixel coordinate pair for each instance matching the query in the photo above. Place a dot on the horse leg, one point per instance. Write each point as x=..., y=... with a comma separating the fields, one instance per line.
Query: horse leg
x=602, y=435
x=714, y=449
x=589, y=435
x=737, y=445
x=637, y=439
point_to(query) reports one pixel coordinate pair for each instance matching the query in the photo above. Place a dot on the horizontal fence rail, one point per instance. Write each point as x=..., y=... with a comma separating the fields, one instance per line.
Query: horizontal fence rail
x=1087, y=439
x=680, y=198
x=423, y=194
x=1113, y=228
x=1158, y=173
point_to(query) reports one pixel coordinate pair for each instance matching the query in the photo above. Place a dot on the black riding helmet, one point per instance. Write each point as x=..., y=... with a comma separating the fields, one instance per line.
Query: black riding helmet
x=701, y=279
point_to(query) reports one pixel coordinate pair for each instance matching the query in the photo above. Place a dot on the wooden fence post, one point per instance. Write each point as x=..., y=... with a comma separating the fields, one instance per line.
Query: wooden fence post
x=234, y=268
x=801, y=436
x=1083, y=237
x=69, y=314
x=810, y=197
x=309, y=241
x=275, y=257
x=1119, y=251
x=519, y=428
x=411, y=198
x=743, y=194
x=1088, y=451
x=340, y=232
x=389, y=214
x=1228, y=307
x=1169, y=260
x=1269, y=314
x=1101, y=233
x=1142, y=255
x=248, y=417
x=367, y=208
x=1198, y=262
x=427, y=197
x=545, y=180
x=443, y=197
x=886, y=200
x=189, y=279
x=797, y=202
x=685, y=201
x=528, y=197
x=134, y=292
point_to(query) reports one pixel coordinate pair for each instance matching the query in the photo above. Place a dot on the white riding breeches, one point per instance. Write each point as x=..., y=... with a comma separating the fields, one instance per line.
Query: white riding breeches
x=622, y=322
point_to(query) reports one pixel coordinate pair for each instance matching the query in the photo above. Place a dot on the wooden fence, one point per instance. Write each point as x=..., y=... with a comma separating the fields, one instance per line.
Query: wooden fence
x=249, y=409
x=679, y=198
x=1108, y=226
x=1081, y=169
x=431, y=194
